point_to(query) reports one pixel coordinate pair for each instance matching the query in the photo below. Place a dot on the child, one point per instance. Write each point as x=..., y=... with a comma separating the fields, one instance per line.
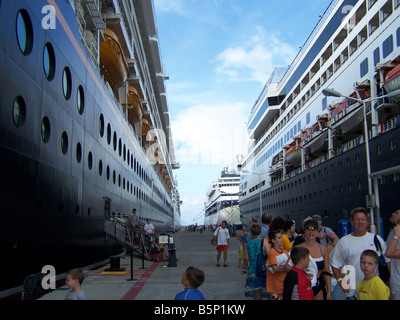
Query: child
x=192, y=278
x=297, y=284
x=372, y=287
x=277, y=263
x=74, y=281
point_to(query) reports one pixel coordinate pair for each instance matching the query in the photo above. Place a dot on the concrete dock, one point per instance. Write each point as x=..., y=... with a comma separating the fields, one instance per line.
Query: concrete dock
x=159, y=282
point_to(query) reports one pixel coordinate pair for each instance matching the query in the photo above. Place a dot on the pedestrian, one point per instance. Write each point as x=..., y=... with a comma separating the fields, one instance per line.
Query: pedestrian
x=74, y=280
x=279, y=224
x=297, y=284
x=300, y=236
x=192, y=278
x=133, y=223
x=151, y=237
x=277, y=265
x=320, y=254
x=290, y=230
x=266, y=221
x=393, y=252
x=222, y=235
x=242, y=237
x=393, y=218
x=255, y=287
x=326, y=236
x=348, y=250
x=372, y=287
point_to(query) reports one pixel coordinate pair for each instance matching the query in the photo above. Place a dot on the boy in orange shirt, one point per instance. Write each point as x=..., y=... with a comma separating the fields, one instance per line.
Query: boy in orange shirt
x=278, y=265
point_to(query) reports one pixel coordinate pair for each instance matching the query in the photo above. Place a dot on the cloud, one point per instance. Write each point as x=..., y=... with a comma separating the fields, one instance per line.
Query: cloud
x=256, y=59
x=176, y=6
x=210, y=134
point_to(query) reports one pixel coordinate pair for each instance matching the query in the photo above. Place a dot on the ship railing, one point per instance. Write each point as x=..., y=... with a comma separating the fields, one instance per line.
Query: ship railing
x=135, y=239
x=388, y=125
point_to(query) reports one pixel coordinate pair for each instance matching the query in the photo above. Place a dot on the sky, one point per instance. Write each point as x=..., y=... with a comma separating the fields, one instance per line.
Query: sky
x=218, y=55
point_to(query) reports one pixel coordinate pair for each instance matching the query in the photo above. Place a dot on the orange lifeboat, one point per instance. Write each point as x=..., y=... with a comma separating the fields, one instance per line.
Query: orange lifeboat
x=135, y=108
x=112, y=60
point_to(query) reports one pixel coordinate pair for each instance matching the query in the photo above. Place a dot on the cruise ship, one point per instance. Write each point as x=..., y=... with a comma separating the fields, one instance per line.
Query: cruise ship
x=222, y=201
x=324, y=134
x=84, y=132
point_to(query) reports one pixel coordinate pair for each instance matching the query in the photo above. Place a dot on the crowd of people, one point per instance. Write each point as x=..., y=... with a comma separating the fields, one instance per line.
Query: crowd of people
x=313, y=263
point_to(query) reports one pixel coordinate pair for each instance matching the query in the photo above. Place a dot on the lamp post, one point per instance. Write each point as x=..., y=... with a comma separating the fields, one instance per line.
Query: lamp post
x=333, y=93
x=259, y=185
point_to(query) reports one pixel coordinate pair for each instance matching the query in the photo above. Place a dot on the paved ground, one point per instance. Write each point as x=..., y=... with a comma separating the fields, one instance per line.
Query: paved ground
x=156, y=282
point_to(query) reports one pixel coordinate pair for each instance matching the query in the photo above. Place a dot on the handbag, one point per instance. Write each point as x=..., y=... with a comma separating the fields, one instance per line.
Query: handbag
x=214, y=239
x=261, y=268
x=384, y=272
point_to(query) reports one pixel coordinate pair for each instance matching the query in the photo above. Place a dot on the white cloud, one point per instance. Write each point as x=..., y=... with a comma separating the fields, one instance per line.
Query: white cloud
x=176, y=6
x=256, y=59
x=210, y=134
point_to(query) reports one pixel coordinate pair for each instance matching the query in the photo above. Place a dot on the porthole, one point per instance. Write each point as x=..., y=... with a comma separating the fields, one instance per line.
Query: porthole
x=108, y=133
x=114, y=177
x=67, y=83
x=49, y=61
x=90, y=160
x=79, y=152
x=45, y=129
x=24, y=32
x=119, y=147
x=100, y=168
x=115, y=141
x=19, y=112
x=80, y=100
x=101, y=125
x=108, y=173
x=64, y=142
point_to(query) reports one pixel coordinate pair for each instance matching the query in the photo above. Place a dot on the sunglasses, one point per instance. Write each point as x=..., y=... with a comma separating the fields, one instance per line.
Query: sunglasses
x=311, y=228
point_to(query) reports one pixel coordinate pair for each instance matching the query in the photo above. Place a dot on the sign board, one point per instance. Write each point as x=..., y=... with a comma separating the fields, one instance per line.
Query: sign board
x=163, y=239
x=370, y=200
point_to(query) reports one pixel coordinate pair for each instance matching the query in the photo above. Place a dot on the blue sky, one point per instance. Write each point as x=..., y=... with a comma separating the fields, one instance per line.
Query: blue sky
x=218, y=55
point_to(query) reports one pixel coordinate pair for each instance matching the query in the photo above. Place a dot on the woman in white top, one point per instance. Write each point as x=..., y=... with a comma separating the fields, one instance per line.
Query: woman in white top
x=222, y=235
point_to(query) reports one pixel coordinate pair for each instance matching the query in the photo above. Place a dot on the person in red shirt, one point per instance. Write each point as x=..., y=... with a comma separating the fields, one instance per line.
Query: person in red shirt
x=297, y=284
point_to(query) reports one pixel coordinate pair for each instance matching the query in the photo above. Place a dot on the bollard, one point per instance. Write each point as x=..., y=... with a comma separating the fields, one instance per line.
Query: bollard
x=114, y=264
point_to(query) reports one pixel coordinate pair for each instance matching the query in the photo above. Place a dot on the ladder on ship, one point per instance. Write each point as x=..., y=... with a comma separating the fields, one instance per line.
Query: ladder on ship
x=135, y=240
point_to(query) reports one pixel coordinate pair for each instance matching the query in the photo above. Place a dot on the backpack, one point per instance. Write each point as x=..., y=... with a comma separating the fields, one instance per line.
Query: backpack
x=261, y=268
x=384, y=272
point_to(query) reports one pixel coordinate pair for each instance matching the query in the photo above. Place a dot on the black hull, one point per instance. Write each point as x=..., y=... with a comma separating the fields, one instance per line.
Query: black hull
x=54, y=205
x=333, y=188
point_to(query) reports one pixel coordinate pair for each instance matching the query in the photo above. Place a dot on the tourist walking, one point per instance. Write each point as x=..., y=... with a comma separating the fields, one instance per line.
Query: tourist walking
x=393, y=252
x=222, y=235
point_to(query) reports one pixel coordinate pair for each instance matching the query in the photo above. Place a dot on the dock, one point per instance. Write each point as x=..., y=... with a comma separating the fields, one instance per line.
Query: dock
x=157, y=281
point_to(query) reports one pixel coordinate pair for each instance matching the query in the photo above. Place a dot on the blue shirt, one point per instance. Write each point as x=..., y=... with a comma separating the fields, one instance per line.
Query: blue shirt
x=190, y=294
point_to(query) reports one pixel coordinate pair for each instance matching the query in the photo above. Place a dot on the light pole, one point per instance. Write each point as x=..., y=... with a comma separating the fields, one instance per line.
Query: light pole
x=259, y=185
x=333, y=93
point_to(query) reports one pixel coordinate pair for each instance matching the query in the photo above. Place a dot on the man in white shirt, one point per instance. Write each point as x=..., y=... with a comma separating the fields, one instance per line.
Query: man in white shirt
x=222, y=234
x=348, y=250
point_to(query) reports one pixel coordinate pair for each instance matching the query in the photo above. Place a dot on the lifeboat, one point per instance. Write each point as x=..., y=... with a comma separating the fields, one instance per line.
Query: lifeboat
x=135, y=109
x=293, y=152
x=392, y=81
x=112, y=60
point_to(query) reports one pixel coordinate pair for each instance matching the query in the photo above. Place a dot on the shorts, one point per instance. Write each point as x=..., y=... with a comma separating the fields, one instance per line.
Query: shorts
x=222, y=247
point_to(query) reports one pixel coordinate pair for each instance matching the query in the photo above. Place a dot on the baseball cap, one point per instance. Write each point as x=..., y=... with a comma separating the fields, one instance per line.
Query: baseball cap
x=316, y=217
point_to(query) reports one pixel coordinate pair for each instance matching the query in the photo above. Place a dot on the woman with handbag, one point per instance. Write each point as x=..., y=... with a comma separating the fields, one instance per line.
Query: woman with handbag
x=255, y=286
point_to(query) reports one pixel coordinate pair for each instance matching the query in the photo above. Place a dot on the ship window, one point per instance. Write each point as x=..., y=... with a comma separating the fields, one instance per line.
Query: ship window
x=67, y=83
x=108, y=133
x=392, y=144
x=45, y=130
x=364, y=68
x=80, y=100
x=90, y=160
x=387, y=47
x=100, y=168
x=108, y=173
x=78, y=152
x=359, y=184
x=377, y=56
x=119, y=180
x=308, y=118
x=379, y=149
x=19, y=112
x=64, y=142
x=24, y=32
x=115, y=141
x=114, y=176
x=398, y=36
x=101, y=127
x=49, y=61
x=119, y=147
x=396, y=177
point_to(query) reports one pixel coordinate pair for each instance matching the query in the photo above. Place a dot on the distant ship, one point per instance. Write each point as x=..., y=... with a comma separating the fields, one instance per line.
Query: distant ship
x=84, y=132
x=308, y=150
x=222, y=201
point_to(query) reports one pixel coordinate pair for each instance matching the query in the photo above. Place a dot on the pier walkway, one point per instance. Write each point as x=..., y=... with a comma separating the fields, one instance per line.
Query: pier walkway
x=159, y=282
